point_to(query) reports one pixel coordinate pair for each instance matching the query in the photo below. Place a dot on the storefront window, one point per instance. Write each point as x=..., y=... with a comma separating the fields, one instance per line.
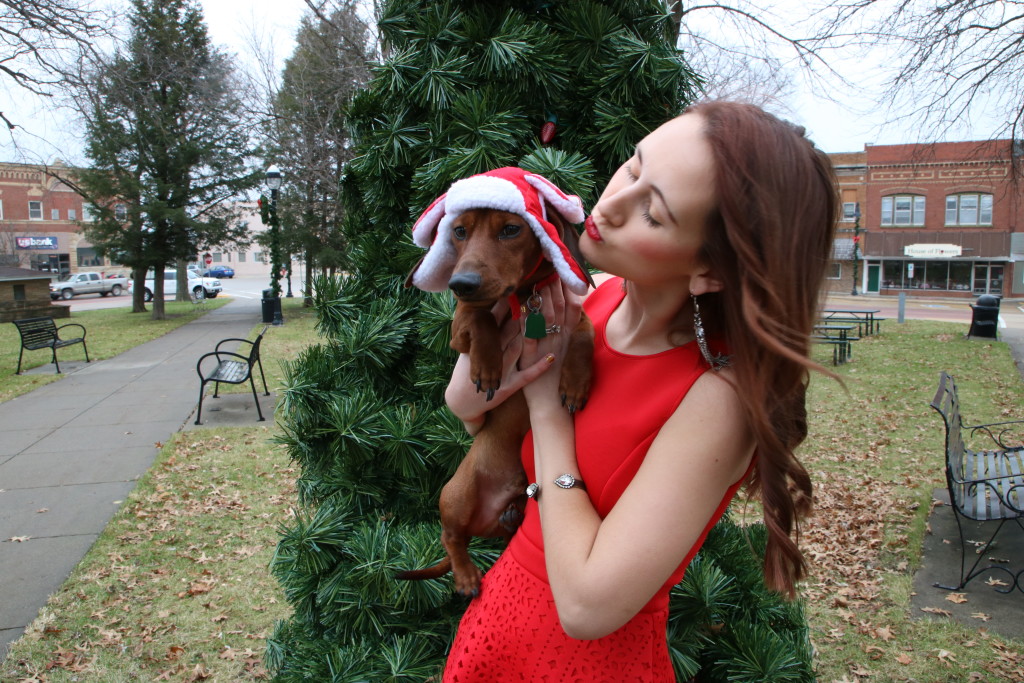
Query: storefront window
x=960, y=276
x=936, y=275
x=892, y=274
x=944, y=275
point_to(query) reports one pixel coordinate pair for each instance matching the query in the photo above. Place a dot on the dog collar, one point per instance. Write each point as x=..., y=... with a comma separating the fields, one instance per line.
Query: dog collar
x=516, y=306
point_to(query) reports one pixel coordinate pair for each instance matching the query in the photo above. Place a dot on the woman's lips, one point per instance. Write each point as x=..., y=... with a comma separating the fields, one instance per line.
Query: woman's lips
x=591, y=228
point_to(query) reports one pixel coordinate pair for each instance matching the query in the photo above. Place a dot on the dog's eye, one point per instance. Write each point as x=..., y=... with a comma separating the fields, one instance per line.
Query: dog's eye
x=509, y=231
x=459, y=232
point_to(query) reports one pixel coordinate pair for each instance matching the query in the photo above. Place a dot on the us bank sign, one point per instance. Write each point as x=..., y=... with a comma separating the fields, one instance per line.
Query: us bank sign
x=932, y=250
x=36, y=242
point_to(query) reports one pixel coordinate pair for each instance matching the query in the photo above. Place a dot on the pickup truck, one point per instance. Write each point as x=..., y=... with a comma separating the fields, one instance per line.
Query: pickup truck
x=201, y=287
x=87, y=283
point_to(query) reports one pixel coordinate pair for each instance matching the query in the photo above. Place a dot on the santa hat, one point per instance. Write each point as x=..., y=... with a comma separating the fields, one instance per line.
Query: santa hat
x=506, y=189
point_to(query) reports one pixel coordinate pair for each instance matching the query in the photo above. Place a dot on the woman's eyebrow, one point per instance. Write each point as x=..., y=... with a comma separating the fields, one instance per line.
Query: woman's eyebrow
x=655, y=189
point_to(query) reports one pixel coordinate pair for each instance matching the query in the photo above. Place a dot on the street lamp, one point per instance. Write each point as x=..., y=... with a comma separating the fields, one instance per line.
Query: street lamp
x=856, y=243
x=274, y=183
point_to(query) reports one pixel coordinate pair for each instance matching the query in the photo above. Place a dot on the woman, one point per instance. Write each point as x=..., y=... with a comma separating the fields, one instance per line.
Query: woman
x=718, y=231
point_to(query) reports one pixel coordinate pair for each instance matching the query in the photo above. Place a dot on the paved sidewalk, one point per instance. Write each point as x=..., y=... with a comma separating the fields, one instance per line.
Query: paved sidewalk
x=72, y=450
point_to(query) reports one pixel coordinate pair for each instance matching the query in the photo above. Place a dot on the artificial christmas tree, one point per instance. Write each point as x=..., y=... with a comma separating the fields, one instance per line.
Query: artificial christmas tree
x=464, y=87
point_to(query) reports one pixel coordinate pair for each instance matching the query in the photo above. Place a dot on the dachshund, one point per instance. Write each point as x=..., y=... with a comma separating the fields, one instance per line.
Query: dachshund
x=498, y=255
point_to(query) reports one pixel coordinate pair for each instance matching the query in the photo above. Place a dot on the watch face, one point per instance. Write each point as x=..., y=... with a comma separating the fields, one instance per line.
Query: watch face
x=566, y=481
x=531, y=490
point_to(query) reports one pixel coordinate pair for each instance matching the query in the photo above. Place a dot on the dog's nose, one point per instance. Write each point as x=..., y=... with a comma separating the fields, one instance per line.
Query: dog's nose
x=464, y=284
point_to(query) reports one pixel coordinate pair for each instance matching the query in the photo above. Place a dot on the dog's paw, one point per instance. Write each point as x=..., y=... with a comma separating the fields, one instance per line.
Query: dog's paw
x=575, y=397
x=467, y=583
x=486, y=380
x=490, y=390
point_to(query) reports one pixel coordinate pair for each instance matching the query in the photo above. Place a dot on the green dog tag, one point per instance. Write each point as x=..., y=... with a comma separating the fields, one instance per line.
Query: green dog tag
x=536, y=327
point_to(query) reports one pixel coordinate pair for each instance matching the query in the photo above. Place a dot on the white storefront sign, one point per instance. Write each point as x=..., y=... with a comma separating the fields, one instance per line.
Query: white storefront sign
x=932, y=250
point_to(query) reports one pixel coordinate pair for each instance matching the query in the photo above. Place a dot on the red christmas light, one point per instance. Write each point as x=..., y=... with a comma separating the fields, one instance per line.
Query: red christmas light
x=547, y=132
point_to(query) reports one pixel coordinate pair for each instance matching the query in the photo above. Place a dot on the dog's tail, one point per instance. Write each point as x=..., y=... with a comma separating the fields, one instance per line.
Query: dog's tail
x=437, y=571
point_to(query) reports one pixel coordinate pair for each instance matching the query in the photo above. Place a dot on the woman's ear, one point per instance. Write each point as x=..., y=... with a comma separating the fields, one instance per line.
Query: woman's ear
x=705, y=282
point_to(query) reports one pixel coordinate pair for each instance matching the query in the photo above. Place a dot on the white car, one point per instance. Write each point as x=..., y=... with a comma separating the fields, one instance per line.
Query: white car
x=201, y=287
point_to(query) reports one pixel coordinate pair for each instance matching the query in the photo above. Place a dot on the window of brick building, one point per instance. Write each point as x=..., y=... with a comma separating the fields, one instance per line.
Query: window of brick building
x=35, y=211
x=72, y=215
x=19, y=292
x=241, y=257
x=54, y=214
x=120, y=212
x=903, y=209
x=849, y=211
x=969, y=209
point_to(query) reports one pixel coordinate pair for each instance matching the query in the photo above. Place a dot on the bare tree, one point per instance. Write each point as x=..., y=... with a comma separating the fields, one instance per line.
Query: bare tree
x=37, y=37
x=9, y=254
x=954, y=63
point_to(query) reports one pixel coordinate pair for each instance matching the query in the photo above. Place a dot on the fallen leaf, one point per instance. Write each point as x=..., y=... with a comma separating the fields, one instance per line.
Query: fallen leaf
x=904, y=659
x=936, y=610
x=18, y=539
x=958, y=598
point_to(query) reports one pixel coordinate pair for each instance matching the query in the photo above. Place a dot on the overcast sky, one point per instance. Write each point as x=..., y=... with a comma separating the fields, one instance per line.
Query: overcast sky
x=234, y=24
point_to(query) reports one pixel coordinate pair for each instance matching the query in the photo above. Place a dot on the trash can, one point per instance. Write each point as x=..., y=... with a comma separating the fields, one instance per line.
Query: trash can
x=985, y=317
x=268, y=303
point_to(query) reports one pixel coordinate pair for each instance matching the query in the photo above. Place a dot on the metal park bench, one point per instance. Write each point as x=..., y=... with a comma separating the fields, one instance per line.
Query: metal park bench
x=985, y=486
x=232, y=368
x=43, y=333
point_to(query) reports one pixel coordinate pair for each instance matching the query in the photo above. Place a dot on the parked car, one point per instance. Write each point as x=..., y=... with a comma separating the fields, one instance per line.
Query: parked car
x=220, y=271
x=201, y=287
x=87, y=283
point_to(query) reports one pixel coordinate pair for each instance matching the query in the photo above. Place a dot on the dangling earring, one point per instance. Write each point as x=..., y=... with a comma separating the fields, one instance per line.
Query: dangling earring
x=716, y=361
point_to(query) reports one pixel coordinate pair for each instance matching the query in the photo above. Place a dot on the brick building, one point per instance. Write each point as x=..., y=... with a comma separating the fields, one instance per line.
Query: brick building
x=39, y=221
x=943, y=219
x=846, y=266
x=40, y=227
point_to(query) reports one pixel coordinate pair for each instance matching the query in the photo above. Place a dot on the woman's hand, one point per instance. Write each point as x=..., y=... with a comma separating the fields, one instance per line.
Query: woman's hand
x=561, y=309
x=466, y=401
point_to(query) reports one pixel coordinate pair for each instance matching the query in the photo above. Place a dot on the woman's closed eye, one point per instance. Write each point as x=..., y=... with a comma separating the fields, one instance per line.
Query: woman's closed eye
x=646, y=214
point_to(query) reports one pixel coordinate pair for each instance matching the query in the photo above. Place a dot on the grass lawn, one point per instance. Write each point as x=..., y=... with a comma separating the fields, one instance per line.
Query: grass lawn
x=876, y=454
x=109, y=331
x=177, y=587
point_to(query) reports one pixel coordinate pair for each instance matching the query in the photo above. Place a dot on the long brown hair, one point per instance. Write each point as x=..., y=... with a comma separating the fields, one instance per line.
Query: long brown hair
x=769, y=241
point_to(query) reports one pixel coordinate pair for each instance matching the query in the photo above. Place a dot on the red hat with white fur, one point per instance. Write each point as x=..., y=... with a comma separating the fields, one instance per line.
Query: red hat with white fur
x=505, y=189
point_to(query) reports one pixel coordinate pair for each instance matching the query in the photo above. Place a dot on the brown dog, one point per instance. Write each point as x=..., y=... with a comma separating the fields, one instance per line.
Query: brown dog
x=497, y=256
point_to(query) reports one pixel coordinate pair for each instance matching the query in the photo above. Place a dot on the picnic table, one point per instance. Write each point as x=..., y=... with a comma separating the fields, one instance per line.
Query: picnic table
x=865, y=319
x=840, y=338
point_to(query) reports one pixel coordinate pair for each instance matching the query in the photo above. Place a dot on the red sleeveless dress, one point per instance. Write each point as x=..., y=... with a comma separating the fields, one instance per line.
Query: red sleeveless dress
x=511, y=631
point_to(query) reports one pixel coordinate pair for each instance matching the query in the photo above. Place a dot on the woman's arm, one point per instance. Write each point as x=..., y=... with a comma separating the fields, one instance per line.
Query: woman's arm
x=602, y=572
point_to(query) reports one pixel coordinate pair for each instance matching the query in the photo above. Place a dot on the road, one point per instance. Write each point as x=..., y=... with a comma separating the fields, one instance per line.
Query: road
x=238, y=287
x=946, y=310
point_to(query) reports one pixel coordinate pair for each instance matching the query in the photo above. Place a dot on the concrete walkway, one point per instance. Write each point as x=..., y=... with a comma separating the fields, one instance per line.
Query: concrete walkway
x=72, y=451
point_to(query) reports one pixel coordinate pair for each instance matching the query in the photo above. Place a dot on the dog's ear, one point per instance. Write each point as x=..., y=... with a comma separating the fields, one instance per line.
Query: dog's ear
x=408, y=278
x=571, y=240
